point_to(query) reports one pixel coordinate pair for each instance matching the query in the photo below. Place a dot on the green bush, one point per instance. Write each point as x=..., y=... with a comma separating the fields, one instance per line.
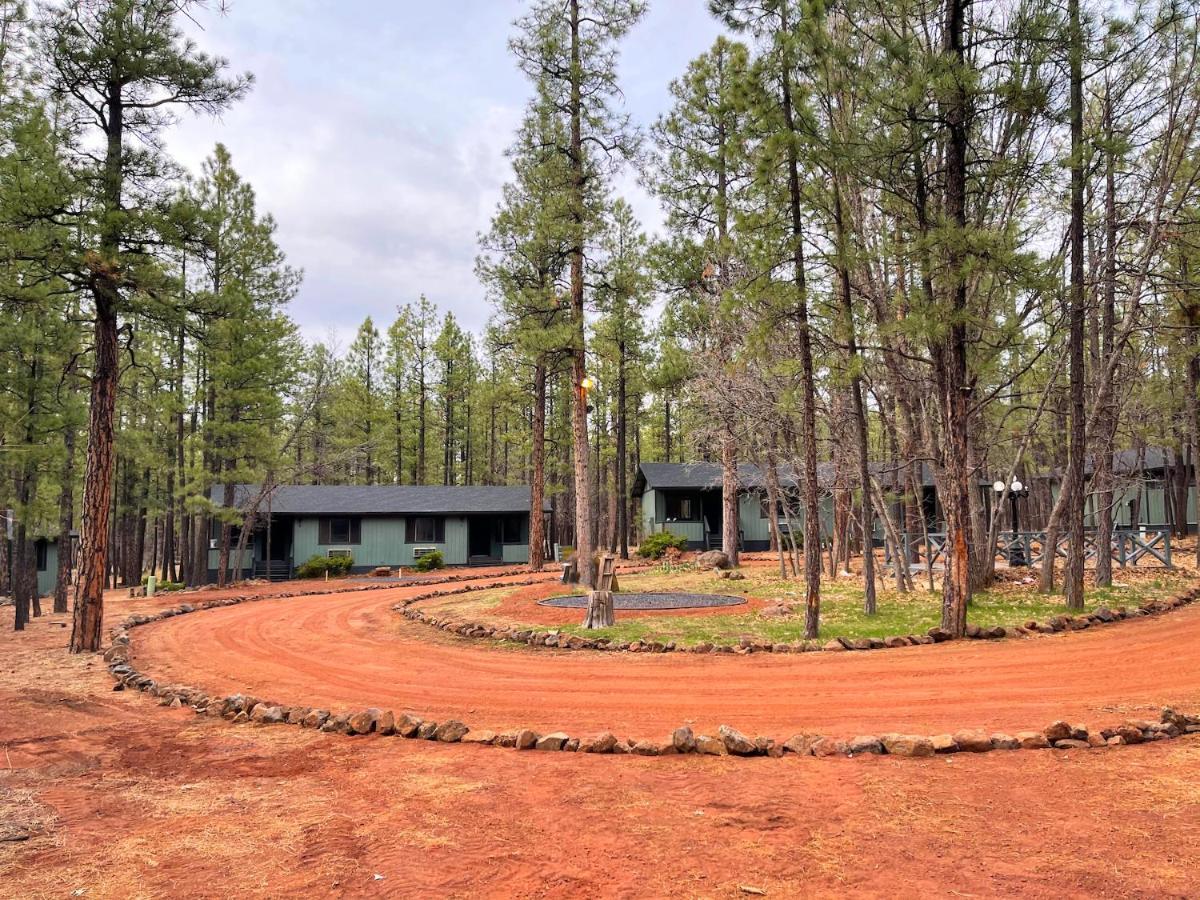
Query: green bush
x=653, y=546
x=430, y=561
x=318, y=566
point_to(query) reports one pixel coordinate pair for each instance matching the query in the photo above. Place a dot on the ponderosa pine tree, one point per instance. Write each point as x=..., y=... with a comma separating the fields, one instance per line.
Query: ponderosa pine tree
x=125, y=66
x=569, y=51
x=698, y=177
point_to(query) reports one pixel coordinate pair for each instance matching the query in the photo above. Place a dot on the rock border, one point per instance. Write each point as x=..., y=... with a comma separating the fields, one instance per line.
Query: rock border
x=558, y=640
x=242, y=708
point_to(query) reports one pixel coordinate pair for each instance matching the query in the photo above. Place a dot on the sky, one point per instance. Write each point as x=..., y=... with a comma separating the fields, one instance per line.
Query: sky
x=375, y=135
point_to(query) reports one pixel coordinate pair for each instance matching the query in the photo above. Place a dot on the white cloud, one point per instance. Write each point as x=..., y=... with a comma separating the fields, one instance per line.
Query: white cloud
x=376, y=134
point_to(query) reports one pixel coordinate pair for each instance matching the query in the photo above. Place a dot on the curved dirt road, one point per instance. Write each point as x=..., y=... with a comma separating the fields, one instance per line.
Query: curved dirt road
x=352, y=651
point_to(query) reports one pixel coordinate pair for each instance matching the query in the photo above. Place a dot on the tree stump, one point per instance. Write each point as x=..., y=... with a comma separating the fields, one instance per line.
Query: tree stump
x=570, y=573
x=600, y=612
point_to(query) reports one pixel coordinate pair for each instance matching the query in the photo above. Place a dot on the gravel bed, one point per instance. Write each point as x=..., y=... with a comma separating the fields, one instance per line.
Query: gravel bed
x=649, y=601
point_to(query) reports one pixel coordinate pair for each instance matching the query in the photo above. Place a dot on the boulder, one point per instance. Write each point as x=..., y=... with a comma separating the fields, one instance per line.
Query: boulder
x=526, y=739
x=1032, y=740
x=427, y=731
x=408, y=725
x=829, y=747
x=940, y=635
x=710, y=746
x=713, y=559
x=598, y=743
x=865, y=743
x=1057, y=731
x=801, y=744
x=479, y=737
x=973, y=741
x=315, y=719
x=267, y=715
x=1071, y=744
x=554, y=741
x=944, y=743
x=645, y=748
x=907, y=745
x=1005, y=742
x=386, y=723
x=736, y=742
x=364, y=722
x=451, y=731
x=684, y=740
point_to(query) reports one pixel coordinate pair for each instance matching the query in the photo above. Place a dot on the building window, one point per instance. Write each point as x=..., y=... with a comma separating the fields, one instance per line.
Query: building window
x=510, y=529
x=42, y=547
x=425, y=530
x=341, y=530
x=682, y=508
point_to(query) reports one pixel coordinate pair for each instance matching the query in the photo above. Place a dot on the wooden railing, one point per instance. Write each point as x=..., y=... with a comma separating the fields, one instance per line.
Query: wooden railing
x=1129, y=547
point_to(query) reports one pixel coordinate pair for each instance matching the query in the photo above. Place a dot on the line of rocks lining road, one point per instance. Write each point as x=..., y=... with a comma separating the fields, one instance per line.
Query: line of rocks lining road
x=241, y=708
x=558, y=640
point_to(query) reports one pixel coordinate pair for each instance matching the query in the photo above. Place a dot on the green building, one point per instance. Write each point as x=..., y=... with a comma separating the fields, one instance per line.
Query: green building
x=378, y=525
x=685, y=499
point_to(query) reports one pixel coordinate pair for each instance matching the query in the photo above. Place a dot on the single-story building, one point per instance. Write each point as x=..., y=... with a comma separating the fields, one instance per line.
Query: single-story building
x=685, y=499
x=45, y=550
x=379, y=525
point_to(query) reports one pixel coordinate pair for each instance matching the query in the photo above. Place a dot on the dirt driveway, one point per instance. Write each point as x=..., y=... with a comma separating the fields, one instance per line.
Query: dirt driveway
x=105, y=794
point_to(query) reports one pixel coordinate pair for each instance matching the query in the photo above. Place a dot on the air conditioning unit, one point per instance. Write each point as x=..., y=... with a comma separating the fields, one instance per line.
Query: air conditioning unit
x=418, y=552
x=214, y=544
x=335, y=552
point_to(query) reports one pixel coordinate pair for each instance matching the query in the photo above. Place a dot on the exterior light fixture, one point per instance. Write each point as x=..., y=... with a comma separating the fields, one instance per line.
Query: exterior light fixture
x=1016, y=547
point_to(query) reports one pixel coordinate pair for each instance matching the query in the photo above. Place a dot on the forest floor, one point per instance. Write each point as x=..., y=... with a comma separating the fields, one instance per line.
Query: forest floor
x=106, y=794
x=774, y=611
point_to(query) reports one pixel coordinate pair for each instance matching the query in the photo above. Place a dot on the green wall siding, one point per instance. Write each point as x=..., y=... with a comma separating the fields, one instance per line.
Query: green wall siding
x=382, y=542
x=755, y=526
x=46, y=577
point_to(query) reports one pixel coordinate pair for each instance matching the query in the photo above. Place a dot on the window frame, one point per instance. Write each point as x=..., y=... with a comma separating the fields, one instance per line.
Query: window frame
x=513, y=520
x=674, y=507
x=353, y=531
x=410, y=529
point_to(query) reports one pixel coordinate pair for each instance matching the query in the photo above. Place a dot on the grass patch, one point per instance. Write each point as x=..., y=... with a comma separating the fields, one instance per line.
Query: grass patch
x=841, y=607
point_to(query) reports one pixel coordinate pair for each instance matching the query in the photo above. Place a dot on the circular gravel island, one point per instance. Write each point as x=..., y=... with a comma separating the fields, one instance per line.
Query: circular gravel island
x=649, y=601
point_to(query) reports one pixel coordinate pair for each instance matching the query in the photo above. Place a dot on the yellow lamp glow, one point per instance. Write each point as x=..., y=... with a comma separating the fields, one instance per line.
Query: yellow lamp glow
x=587, y=384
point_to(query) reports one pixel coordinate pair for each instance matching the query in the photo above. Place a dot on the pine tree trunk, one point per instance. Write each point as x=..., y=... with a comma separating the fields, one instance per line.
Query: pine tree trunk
x=1108, y=422
x=98, y=474
x=537, y=488
x=1073, y=571
x=579, y=398
x=950, y=355
x=622, y=488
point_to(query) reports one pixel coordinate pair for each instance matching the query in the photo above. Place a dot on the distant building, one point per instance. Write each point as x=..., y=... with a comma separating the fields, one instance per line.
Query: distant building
x=379, y=525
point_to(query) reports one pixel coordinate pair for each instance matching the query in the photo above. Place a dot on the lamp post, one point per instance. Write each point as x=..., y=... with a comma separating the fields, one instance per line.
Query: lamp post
x=1016, y=550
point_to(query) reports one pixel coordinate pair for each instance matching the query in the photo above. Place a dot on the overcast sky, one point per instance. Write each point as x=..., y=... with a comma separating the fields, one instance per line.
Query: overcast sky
x=376, y=132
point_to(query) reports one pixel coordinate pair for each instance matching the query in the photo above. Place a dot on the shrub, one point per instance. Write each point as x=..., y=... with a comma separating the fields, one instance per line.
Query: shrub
x=318, y=566
x=430, y=561
x=653, y=546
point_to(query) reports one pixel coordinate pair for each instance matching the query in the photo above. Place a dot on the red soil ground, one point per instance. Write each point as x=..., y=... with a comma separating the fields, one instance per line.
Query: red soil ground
x=349, y=651
x=122, y=798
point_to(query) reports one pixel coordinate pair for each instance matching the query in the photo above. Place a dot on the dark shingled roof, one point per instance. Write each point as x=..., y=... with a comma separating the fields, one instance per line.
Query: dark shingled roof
x=707, y=476
x=385, y=499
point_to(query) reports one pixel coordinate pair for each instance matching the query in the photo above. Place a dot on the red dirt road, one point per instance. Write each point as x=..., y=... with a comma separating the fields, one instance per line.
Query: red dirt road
x=351, y=651
x=112, y=796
